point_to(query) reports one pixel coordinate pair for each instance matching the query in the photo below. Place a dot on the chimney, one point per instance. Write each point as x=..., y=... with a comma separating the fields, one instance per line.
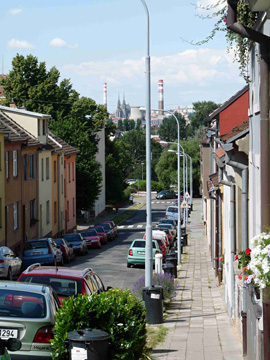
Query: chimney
x=160, y=97
x=105, y=95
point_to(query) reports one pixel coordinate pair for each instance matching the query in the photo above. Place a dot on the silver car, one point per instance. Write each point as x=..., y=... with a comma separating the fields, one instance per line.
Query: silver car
x=10, y=264
x=27, y=313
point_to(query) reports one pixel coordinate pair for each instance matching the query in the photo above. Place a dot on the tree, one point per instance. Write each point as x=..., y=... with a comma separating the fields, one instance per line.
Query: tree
x=120, y=125
x=168, y=130
x=118, y=163
x=138, y=124
x=166, y=169
x=126, y=125
x=200, y=117
x=131, y=124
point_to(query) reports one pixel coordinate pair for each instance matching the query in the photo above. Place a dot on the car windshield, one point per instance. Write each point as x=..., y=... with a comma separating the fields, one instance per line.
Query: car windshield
x=172, y=209
x=99, y=229
x=166, y=226
x=21, y=304
x=59, y=241
x=39, y=244
x=106, y=226
x=89, y=233
x=62, y=286
x=73, y=237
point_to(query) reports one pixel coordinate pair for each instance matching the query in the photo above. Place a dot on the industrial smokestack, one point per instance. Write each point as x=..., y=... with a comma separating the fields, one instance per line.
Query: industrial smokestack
x=105, y=95
x=160, y=97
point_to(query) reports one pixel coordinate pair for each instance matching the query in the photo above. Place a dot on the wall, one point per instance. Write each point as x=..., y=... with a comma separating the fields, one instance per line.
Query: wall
x=70, y=193
x=100, y=157
x=2, y=190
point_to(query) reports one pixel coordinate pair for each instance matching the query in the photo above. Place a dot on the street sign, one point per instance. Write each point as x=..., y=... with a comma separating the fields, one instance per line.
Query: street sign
x=187, y=196
x=184, y=205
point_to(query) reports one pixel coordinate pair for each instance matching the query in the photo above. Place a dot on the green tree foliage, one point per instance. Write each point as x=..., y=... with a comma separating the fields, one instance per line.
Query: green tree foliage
x=168, y=130
x=75, y=119
x=200, y=117
x=138, y=124
x=126, y=125
x=166, y=169
x=120, y=125
x=131, y=124
x=118, y=163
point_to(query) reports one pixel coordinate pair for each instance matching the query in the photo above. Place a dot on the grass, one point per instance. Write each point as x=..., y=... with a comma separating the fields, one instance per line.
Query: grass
x=155, y=335
x=125, y=215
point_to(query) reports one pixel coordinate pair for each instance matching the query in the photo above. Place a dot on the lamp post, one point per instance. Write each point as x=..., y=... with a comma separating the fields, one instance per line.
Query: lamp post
x=142, y=170
x=148, y=245
x=179, y=187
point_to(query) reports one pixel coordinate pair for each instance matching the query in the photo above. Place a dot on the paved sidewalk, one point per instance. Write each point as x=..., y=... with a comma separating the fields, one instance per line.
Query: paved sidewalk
x=198, y=325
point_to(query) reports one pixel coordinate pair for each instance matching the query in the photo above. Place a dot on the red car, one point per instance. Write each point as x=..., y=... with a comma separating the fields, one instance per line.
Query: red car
x=162, y=246
x=91, y=237
x=101, y=233
x=65, y=281
x=112, y=223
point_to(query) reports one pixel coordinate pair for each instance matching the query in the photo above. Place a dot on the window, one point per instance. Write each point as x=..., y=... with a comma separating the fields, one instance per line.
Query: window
x=47, y=168
x=15, y=163
x=55, y=212
x=54, y=171
x=64, y=164
x=44, y=127
x=15, y=215
x=1, y=213
x=32, y=211
x=38, y=127
x=42, y=169
x=32, y=166
x=65, y=187
x=73, y=171
x=73, y=205
x=7, y=168
x=62, y=184
x=67, y=210
x=48, y=211
x=69, y=172
x=25, y=167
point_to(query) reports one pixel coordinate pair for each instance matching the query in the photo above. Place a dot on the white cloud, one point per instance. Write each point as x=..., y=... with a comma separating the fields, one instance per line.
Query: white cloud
x=60, y=43
x=15, y=11
x=190, y=66
x=19, y=44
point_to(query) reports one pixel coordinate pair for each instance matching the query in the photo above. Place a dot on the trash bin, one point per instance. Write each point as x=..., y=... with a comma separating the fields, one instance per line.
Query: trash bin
x=170, y=258
x=153, y=298
x=184, y=239
x=88, y=344
x=168, y=268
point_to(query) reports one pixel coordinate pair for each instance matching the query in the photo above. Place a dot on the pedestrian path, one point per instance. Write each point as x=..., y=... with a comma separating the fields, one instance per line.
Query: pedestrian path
x=197, y=323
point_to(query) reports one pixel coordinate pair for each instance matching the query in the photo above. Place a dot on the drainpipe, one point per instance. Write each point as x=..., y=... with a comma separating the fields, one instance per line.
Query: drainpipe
x=220, y=176
x=244, y=169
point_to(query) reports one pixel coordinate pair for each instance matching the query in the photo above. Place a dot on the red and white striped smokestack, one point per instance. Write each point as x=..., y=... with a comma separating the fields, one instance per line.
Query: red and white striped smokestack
x=105, y=95
x=160, y=97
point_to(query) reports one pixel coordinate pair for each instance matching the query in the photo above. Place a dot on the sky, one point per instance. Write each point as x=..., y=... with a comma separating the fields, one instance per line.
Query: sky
x=95, y=41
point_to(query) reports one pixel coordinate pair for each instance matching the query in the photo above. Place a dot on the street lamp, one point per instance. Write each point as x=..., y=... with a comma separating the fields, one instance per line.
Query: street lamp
x=148, y=245
x=142, y=170
x=179, y=186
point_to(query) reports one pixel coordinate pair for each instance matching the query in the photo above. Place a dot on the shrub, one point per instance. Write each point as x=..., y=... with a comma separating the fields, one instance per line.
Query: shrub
x=164, y=280
x=117, y=311
x=126, y=193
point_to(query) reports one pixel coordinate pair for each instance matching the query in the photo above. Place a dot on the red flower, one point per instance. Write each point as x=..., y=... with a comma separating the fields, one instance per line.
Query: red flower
x=248, y=251
x=240, y=277
x=246, y=277
x=245, y=268
x=236, y=257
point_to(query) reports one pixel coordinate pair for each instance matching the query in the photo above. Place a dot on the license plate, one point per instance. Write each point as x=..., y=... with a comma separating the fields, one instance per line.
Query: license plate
x=36, y=253
x=8, y=333
x=141, y=252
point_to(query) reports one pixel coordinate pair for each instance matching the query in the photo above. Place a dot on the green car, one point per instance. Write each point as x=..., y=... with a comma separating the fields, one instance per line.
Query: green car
x=27, y=313
x=136, y=252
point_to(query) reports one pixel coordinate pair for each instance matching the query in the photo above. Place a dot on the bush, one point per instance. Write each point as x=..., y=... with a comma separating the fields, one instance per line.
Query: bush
x=164, y=280
x=117, y=311
x=126, y=193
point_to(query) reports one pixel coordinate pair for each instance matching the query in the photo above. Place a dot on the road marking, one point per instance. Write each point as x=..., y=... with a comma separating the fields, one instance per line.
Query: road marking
x=130, y=226
x=139, y=226
x=120, y=227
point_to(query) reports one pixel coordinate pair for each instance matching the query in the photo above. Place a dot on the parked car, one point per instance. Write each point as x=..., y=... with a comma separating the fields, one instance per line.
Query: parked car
x=136, y=252
x=169, y=221
x=160, y=234
x=109, y=230
x=10, y=264
x=91, y=237
x=77, y=242
x=114, y=226
x=67, y=251
x=170, y=228
x=101, y=233
x=44, y=251
x=65, y=281
x=172, y=213
x=163, y=247
x=27, y=313
x=131, y=181
x=166, y=194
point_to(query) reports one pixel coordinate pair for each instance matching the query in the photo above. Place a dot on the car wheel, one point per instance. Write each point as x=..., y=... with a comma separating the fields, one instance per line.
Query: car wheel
x=9, y=274
x=128, y=265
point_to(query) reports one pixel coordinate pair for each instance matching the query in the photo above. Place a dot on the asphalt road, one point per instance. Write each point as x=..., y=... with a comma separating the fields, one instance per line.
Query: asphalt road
x=110, y=262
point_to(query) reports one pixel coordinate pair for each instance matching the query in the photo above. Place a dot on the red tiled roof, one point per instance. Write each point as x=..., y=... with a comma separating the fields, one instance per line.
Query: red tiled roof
x=220, y=152
x=60, y=145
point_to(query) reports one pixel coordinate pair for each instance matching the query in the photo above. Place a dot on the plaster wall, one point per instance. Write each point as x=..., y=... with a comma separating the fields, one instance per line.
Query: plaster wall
x=2, y=190
x=100, y=203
